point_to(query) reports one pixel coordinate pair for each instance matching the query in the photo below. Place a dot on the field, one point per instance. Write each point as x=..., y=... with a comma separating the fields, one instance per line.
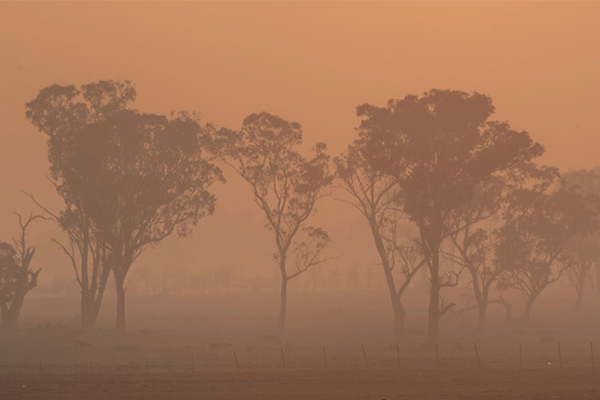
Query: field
x=203, y=352
x=463, y=384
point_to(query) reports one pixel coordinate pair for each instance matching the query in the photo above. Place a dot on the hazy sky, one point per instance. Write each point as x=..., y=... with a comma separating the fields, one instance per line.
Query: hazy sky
x=309, y=62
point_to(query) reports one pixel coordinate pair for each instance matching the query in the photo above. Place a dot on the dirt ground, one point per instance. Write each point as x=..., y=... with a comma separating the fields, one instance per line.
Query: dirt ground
x=510, y=384
x=187, y=348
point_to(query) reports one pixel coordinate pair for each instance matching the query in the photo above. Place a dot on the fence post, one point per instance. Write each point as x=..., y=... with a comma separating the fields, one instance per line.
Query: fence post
x=477, y=354
x=521, y=354
x=559, y=356
x=365, y=355
x=237, y=364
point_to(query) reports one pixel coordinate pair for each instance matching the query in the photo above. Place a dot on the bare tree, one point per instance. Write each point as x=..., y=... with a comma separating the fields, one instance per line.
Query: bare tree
x=88, y=257
x=377, y=197
x=285, y=186
x=17, y=277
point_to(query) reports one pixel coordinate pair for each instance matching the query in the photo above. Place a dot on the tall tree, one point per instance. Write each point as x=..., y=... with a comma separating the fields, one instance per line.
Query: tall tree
x=534, y=240
x=138, y=178
x=17, y=277
x=376, y=197
x=61, y=112
x=286, y=187
x=440, y=147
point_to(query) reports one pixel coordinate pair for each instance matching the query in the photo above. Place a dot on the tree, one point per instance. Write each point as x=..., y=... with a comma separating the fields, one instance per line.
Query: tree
x=376, y=196
x=60, y=112
x=138, y=178
x=286, y=187
x=87, y=254
x=474, y=230
x=17, y=278
x=584, y=251
x=474, y=245
x=534, y=240
x=440, y=148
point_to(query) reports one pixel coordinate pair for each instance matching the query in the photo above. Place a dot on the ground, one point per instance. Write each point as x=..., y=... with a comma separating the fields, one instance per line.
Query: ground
x=179, y=349
x=465, y=384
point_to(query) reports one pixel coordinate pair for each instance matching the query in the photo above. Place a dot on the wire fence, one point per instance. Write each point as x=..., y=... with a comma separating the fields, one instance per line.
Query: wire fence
x=239, y=359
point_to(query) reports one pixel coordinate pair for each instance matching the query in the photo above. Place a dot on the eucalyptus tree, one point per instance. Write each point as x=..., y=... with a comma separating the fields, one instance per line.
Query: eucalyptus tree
x=60, y=112
x=286, y=186
x=134, y=179
x=376, y=197
x=440, y=148
x=534, y=241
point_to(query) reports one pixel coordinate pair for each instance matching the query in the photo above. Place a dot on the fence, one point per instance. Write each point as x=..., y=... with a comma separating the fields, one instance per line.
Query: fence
x=326, y=357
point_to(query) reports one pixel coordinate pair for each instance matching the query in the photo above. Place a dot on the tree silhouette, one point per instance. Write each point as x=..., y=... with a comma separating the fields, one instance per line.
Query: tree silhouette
x=582, y=252
x=440, y=148
x=17, y=277
x=137, y=177
x=534, y=240
x=87, y=253
x=286, y=187
x=376, y=197
x=584, y=256
x=59, y=112
x=474, y=230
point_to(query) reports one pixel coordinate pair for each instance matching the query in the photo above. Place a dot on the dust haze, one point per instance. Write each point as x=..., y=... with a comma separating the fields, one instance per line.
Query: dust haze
x=295, y=200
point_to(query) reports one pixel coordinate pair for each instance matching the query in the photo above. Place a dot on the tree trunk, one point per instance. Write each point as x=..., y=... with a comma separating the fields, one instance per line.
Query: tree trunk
x=482, y=304
x=84, y=310
x=399, y=319
x=597, y=268
x=481, y=311
x=282, y=308
x=528, y=308
x=397, y=307
x=4, y=324
x=89, y=313
x=120, y=286
x=10, y=318
x=579, y=299
x=10, y=315
x=433, y=328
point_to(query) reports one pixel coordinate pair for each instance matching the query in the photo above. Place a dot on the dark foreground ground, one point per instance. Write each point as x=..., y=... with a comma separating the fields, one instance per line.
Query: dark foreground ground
x=576, y=384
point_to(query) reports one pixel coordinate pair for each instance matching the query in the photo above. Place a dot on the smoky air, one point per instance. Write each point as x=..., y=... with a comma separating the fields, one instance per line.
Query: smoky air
x=297, y=200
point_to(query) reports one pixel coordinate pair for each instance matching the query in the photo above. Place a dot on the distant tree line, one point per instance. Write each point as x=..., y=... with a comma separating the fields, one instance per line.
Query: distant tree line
x=442, y=187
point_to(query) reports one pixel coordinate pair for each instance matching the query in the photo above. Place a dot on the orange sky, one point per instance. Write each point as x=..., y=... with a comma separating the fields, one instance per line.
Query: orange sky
x=309, y=62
